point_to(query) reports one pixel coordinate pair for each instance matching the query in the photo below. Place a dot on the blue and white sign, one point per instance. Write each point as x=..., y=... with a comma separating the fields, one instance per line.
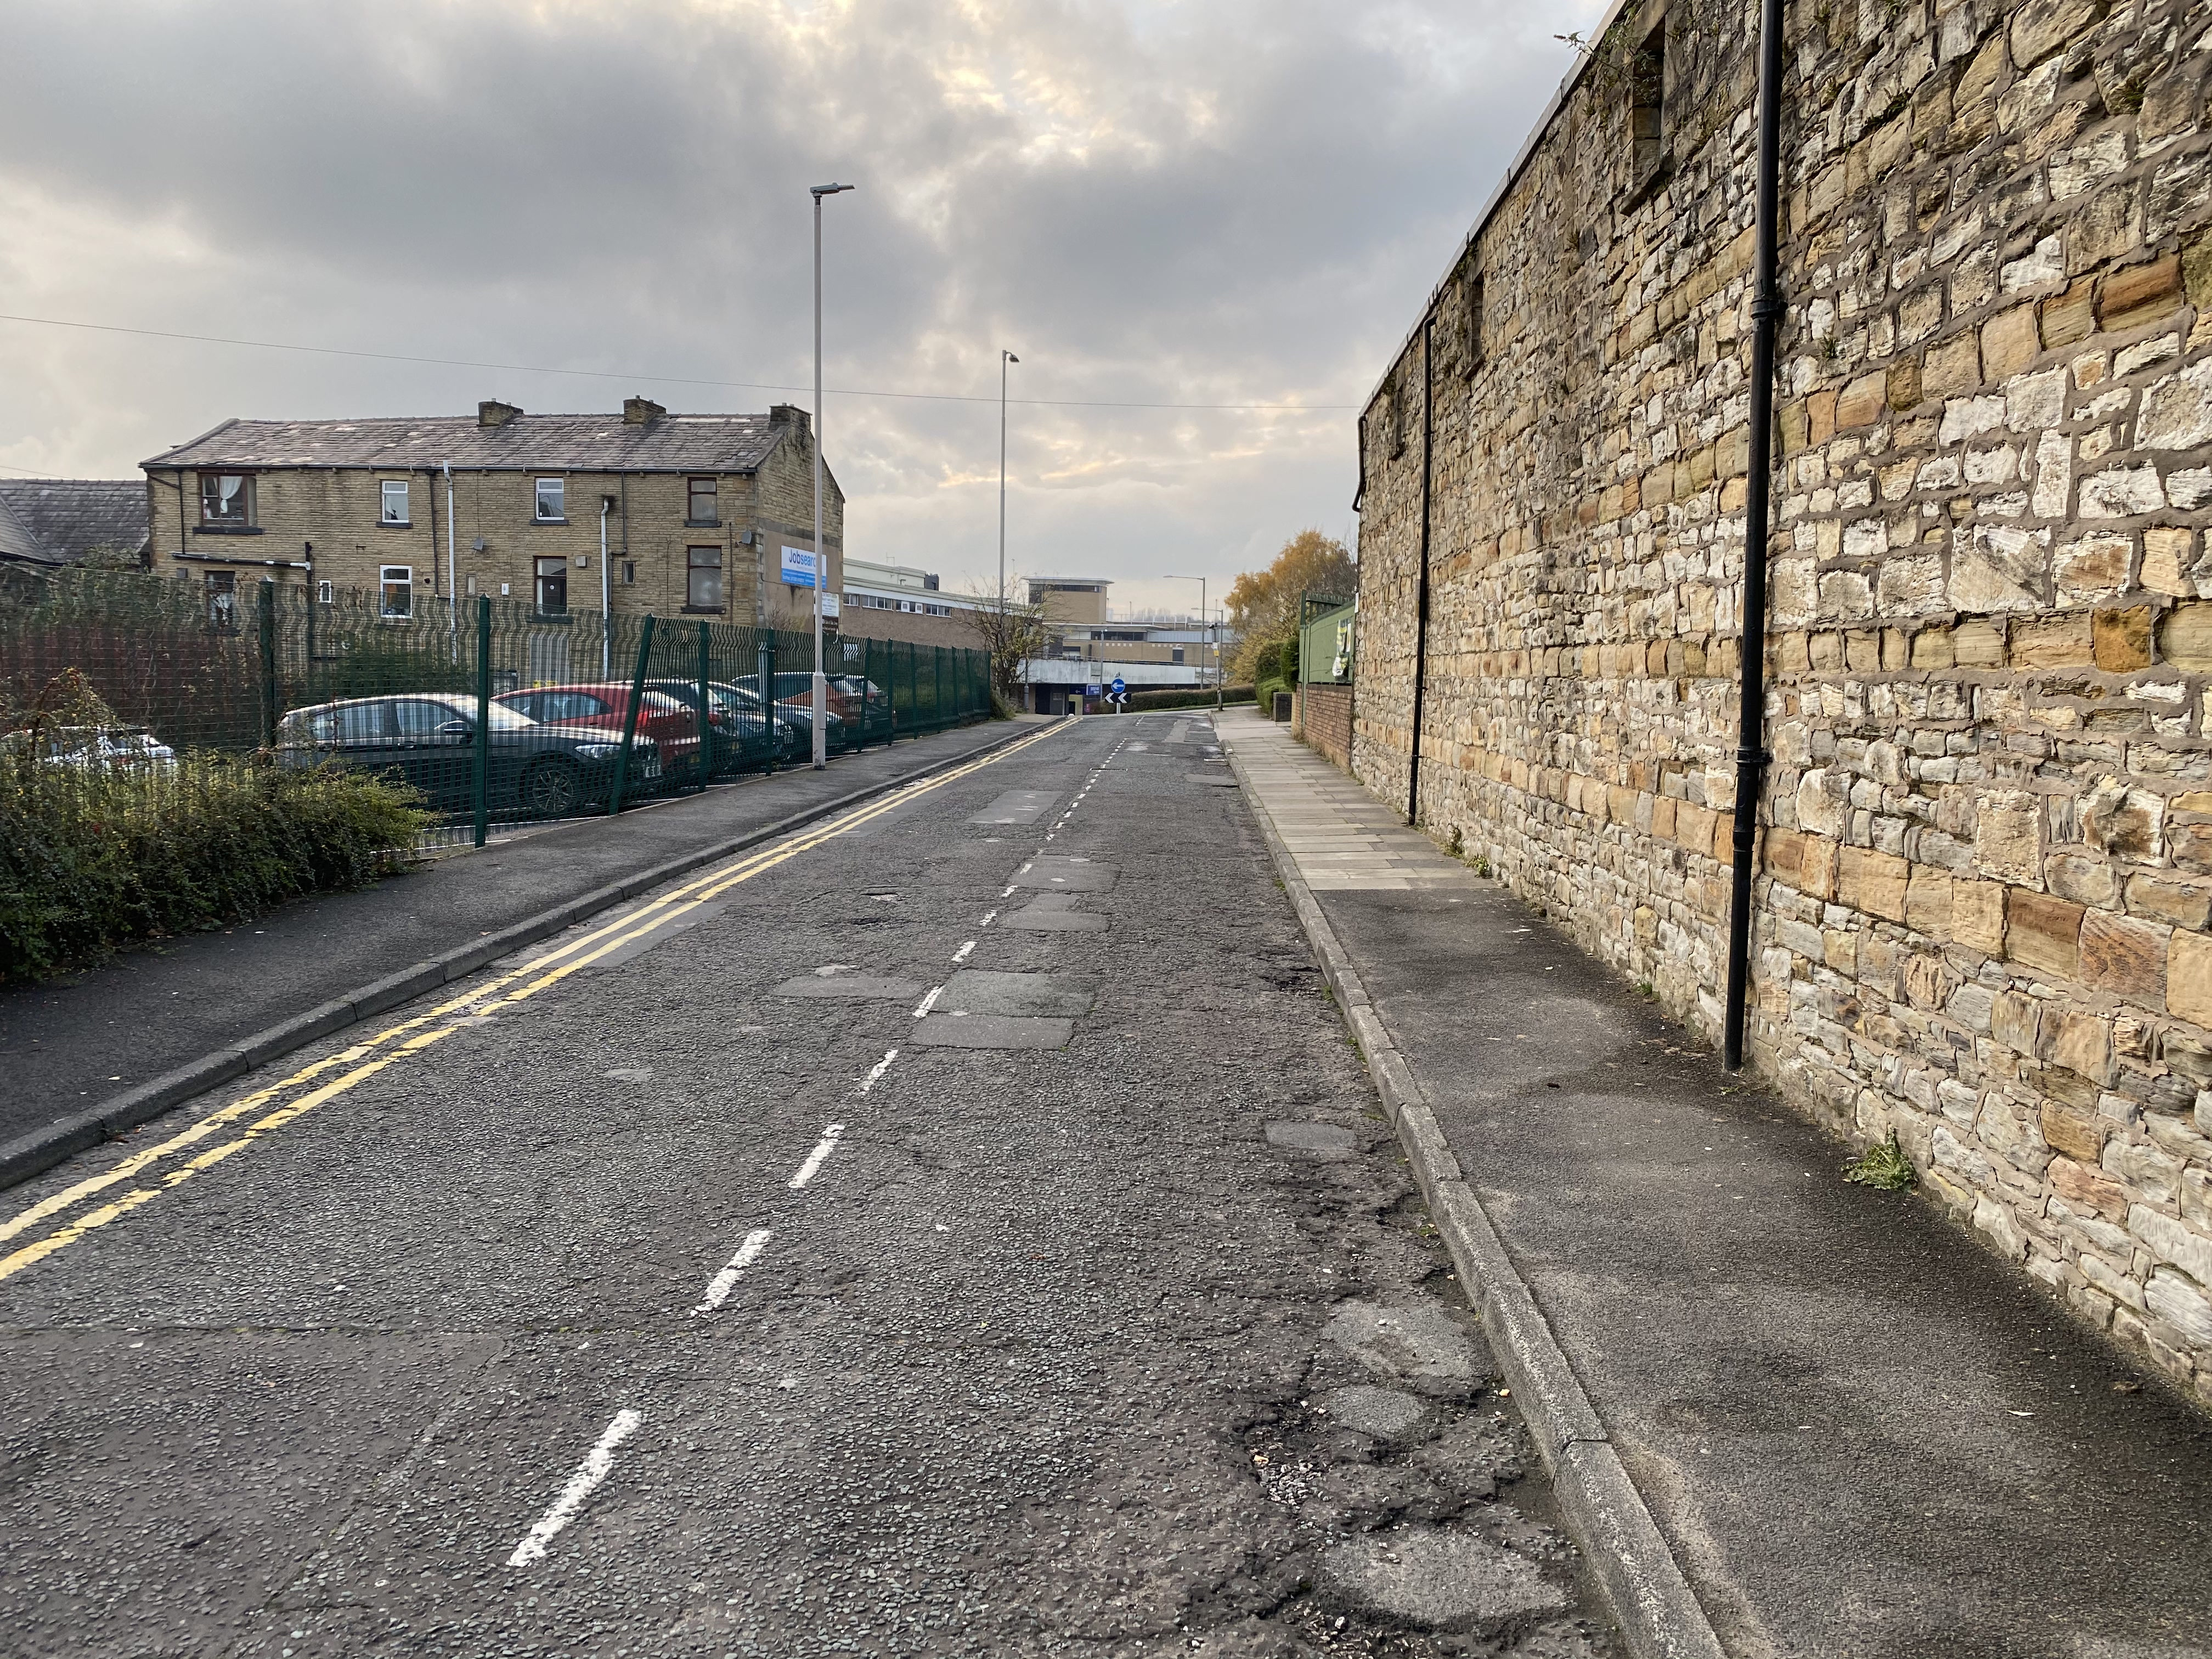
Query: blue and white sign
x=1094, y=689
x=798, y=566
x=1121, y=687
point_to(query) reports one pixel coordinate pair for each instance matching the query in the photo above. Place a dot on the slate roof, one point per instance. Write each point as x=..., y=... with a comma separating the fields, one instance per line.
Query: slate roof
x=17, y=540
x=671, y=443
x=67, y=518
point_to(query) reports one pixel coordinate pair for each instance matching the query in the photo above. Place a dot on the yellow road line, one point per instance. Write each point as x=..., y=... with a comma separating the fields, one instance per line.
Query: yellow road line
x=512, y=987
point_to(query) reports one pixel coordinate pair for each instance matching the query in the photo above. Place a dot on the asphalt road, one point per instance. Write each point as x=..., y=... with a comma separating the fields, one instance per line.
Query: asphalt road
x=962, y=1227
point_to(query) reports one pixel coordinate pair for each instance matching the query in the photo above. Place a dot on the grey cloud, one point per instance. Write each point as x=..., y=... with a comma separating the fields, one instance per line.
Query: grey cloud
x=1227, y=202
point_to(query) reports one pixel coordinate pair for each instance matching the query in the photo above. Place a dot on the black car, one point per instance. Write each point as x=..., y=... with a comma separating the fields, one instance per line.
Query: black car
x=796, y=711
x=744, y=735
x=428, y=740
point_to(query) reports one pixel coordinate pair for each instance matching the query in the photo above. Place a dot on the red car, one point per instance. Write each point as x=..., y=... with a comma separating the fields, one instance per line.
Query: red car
x=670, y=724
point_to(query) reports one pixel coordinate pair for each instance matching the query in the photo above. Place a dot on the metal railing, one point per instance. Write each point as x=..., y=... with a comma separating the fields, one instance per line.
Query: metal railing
x=494, y=713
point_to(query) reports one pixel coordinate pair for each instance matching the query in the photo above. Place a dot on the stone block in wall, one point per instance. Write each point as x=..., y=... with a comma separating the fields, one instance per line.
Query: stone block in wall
x=2008, y=837
x=1979, y=643
x=2071, y=318
x=2011, y=341
x=2087, y=1188
x=2169, y=556
x=2188, y=977
x=1872, y=882
x=2072, y=1135
x=2126, y=959
x=2185, y=637
x=2160, y=898
x=2043, y=932
x=2059, y=641
x=1978, y=915
x=2140, y=293
x=2121, y=640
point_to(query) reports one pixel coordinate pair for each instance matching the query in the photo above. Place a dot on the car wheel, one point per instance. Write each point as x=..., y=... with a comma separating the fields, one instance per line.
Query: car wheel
x=552, y=789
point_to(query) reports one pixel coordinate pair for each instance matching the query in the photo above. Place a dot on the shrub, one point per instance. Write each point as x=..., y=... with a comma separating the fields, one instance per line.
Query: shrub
x=93, y=860
x=1198, y=697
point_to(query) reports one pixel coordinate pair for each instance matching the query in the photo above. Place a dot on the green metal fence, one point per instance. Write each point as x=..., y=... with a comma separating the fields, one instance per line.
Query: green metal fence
x=494, y=713
x=1326, y=645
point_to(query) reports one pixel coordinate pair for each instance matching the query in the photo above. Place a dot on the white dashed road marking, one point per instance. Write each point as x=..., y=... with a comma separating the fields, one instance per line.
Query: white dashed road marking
x=960, y=955
x=929, y=1001
x=882, y=1066
x=595, y=1468
x=823, y=1148
x=726, y=1280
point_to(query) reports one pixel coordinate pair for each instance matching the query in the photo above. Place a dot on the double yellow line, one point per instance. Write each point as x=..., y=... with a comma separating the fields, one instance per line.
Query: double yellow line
x=142, y=1181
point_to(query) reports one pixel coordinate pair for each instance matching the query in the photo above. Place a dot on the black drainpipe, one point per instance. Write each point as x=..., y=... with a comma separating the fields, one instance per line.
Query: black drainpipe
x=1752, y=757
x=1421, y=590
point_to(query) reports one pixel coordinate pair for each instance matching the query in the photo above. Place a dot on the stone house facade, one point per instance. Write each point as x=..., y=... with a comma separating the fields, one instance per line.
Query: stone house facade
x=700, y=511
x=1984, y=911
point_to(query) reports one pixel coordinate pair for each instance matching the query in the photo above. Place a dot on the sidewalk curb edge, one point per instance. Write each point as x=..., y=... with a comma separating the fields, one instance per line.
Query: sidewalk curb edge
x=1642, y=1584
x=40, y=1150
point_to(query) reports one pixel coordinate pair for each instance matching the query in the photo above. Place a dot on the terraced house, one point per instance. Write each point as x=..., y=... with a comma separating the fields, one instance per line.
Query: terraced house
x=1982, y=915
x=704, y=515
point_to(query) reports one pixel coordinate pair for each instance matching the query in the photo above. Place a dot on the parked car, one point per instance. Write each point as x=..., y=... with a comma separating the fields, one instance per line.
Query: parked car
x=794, y=701
x=745, y=734
x=672, y=725
x=102, y=749
x=797, y=715
x=868, y=700
x=430, y=741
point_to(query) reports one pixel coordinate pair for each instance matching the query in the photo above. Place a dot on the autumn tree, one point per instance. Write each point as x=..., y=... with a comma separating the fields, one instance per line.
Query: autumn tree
x=1263, y=605
x=1013, y=633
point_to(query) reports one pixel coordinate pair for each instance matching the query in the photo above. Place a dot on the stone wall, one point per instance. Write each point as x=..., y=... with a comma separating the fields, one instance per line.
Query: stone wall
x=1325, y=720
x=1982, y=915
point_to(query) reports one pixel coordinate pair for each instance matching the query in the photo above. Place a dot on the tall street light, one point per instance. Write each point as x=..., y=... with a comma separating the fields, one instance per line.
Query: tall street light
x=821, y=558
x=1203, y=626
x=1004, y=357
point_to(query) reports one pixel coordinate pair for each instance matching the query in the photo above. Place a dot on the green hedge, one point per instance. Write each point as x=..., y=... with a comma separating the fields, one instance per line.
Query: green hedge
x=90, y=862
x=1200, y=698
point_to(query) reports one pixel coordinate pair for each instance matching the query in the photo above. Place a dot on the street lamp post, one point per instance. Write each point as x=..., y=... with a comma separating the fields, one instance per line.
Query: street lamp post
x=821, y=561
x=1004, y=357
x=1204, y=625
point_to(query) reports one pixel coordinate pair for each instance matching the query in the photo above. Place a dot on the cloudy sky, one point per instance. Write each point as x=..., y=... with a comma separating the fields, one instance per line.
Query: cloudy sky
x=1221, y=202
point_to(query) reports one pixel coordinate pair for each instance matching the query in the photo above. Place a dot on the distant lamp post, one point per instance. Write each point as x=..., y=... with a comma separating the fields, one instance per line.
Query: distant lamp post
x=1204, y=625
x=821, y=561
x=1004, y=357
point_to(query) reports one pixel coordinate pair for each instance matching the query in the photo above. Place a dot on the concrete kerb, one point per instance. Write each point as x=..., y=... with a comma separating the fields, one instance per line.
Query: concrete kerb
x=40, y=1150
x=1644, y=1586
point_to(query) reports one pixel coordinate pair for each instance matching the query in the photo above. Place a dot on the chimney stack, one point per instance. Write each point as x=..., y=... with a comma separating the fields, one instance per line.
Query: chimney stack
x=641, y=411
x=492, y=412
x=787, y=415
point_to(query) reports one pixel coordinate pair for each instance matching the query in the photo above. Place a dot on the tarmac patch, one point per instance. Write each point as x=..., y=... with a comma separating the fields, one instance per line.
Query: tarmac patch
x=1067, y=875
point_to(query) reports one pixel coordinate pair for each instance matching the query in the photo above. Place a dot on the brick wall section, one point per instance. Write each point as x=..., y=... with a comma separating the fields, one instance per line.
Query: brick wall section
x=1981, y=917
x=1325, y=720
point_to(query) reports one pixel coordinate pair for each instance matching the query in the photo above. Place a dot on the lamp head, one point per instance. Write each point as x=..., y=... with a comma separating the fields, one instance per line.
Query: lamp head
x=1010, y=356
x=817, y=191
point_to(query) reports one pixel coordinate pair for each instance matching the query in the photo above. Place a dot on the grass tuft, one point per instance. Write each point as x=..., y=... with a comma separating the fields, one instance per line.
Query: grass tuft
x=1884, y=1165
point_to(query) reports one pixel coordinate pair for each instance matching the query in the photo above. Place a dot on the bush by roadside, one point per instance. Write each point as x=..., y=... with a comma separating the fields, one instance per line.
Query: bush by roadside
x=94, y=856
x=1140, y=701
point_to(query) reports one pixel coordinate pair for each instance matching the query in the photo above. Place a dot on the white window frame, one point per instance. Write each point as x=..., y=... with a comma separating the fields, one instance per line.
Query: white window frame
x=326, y=592
x=389, y=577
x=560, y=491
x=386, y=487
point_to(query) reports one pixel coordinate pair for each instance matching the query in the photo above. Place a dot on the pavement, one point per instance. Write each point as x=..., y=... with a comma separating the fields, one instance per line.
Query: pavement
x=69, y=1044
x=959, y=1226
x=1857, y=1431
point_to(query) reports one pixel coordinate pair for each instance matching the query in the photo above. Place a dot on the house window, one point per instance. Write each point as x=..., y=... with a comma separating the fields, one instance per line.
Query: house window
x=1177, y=656
x=395, y=502
x=552, y=587
x=702, y=588
x=396, y=592
x=223, y=601
x=700, y=503
x=1647, y=94
x=326, y=592
x=552, y=500
x=630, y=573
x=227, y=500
